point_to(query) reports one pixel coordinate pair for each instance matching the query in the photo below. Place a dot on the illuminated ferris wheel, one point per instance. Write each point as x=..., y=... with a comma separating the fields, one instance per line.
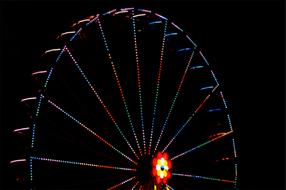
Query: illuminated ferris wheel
x=127, y=100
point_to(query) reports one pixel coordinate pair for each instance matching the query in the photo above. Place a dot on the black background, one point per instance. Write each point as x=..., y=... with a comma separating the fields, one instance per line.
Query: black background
x=243, y=40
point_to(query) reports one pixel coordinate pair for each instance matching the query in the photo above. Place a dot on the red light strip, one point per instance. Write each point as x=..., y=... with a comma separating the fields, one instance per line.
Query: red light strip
x=121, y=183
x=135, y=185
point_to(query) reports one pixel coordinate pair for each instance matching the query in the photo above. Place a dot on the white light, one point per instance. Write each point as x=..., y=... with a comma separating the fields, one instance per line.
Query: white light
x=65, y=33
x=19, y=160
x=139, y=15
x=162, y=161
x=127, y=9
x=30, y=98
x=21, y=129
x=158, y=167
x=51, y=50
x=120, y=12
x=84, y=20
x=38, y=72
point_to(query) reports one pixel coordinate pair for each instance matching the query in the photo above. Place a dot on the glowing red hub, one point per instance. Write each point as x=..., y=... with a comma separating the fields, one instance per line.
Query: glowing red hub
x=161, y=168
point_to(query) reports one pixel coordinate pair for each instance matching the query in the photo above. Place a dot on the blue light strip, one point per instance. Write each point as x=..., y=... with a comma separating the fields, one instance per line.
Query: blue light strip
x=203, y=177
x=59, y=56
x=213, y=75
x=229, y=121
x=78, y=31
x=31, y=169
x=214, y=110
x=207, y=88
x=48, y=78
x=34, y=123
x=197, y=67
x=184, y=49
x=171, y=34
x=155, y=22
x=225, y=105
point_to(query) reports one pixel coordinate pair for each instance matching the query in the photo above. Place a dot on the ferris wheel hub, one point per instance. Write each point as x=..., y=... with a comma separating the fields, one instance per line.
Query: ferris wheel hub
x=154, y=170
x=161, y=166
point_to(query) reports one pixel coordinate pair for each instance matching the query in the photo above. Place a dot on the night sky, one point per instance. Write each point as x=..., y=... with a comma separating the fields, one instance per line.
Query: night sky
x=243, y=40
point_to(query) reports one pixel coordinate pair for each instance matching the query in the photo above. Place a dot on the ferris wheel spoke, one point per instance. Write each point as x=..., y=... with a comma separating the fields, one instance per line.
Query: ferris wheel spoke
x=101, y=102
x=119, y=86
x=138, y=82
x=205, y=100
x=203, y=177
x=135, y=185
x=202, y=145
x=191, y=117
x=83, y=164
x=171, y=188
x=121, y=183
x=158, y=86
x=174, y=100
x=90, y=131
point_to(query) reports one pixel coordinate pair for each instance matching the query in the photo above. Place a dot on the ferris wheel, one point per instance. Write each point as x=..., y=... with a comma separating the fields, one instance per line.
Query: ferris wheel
x=127, y=100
